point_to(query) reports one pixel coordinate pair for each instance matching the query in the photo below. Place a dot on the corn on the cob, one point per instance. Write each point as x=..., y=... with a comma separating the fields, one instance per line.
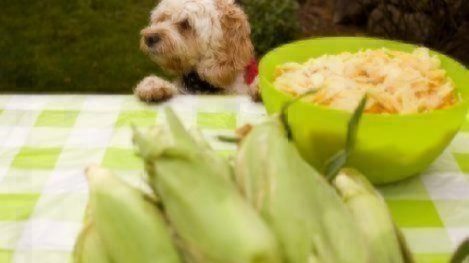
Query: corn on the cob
x=371, y=213
x=89, y=247
x=209, y=215
x=308, y=217
x=130, y=227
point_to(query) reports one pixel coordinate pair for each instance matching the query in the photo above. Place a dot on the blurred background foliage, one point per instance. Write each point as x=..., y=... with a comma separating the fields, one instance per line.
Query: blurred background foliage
x=273, y=22
x=92, y=46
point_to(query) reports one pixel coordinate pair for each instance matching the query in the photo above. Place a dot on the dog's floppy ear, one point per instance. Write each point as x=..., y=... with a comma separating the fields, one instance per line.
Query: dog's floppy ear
x=235, y=50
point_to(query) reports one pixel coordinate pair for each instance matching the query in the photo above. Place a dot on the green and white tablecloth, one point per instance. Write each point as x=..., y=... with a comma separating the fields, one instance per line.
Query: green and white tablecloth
x=46, y=142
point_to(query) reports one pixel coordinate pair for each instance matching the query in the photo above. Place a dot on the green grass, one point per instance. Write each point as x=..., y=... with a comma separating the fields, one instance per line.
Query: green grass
x=72, y=46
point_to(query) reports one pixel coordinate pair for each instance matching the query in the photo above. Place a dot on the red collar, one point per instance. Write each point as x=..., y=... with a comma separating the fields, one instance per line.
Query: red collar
x=251, y=72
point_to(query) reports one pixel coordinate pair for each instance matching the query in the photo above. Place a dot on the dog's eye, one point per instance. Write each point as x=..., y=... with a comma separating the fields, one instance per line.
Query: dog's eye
x=184, y=25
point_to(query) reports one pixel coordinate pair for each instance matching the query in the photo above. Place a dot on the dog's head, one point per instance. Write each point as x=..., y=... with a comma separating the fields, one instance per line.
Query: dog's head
x=211, y=37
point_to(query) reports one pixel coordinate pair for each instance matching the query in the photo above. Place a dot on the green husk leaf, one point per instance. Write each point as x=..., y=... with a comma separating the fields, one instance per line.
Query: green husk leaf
x=462, y=253
x=284, y=111
x=228, y=139
x=179, y=133
x=335, y=164
x=353, y=125
x=198, y=137
x=150, y=148
x=339, y=160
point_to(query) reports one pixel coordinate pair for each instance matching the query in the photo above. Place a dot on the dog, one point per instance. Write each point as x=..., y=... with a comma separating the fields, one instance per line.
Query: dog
x=205, y=44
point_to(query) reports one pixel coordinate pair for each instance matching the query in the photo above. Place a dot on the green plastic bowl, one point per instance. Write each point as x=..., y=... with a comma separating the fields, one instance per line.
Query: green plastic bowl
x=389, y=147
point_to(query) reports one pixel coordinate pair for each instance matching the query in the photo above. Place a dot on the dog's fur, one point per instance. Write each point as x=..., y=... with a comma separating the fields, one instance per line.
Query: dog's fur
x=206, y=38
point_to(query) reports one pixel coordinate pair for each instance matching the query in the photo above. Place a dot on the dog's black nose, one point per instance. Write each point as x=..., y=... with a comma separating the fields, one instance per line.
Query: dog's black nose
x=150, y=41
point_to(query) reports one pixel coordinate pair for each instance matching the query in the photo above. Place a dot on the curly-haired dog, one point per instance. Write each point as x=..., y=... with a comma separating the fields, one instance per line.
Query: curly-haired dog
x=206, y=44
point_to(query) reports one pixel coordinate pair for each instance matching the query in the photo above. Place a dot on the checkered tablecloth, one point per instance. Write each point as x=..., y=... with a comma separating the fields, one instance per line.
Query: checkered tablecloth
x=47, y=141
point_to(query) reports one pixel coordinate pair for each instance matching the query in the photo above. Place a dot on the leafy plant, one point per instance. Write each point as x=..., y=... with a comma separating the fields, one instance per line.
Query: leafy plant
x=273, y=22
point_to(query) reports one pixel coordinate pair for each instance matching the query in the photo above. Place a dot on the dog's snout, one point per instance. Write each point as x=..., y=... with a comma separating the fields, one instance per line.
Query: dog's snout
x=152, y=40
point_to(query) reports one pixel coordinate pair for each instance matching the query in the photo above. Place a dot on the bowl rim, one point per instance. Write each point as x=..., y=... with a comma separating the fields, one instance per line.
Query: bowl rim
x=463, y=103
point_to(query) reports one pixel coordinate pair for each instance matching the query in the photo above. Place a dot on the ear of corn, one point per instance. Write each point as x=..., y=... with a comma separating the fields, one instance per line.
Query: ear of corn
x=268, y=183
x=203, y=205
x=279, y=209
x=308, y=217
x=130, y=227
x=89, y=247
x=372, y=215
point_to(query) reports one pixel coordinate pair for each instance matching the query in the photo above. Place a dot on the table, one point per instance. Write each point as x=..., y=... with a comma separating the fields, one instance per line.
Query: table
x=48, y=140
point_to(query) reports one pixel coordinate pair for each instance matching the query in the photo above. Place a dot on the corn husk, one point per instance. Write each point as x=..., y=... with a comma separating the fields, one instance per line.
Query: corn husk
x=206, y=210
x=371, y=213
x=89, y=247
x=308, y=217
x=129, y=225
